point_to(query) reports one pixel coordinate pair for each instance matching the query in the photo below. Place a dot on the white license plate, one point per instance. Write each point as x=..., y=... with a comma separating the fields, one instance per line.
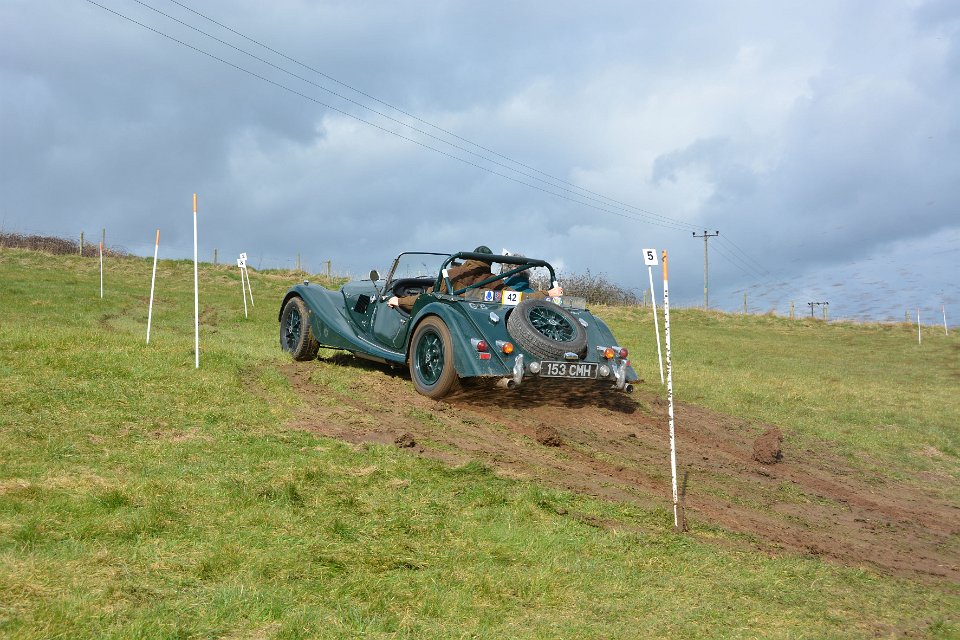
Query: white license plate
x=556, y=369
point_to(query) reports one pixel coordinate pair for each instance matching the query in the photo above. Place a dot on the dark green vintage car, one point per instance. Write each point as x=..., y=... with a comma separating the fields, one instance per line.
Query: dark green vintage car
x=486, y=330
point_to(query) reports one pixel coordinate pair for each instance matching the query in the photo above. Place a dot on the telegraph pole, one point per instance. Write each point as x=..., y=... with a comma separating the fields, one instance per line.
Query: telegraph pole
x=706, y=236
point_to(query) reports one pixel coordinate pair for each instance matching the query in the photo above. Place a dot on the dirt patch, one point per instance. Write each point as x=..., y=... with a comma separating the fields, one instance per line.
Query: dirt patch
x=767, y=449
x=613, y=446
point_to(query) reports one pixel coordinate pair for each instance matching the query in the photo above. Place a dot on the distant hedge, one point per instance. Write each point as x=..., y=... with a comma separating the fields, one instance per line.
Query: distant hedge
x=595, y=287
x=54, y=245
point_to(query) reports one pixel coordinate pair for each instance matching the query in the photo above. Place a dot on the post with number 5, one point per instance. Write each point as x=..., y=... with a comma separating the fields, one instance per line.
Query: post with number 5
x=650, y=259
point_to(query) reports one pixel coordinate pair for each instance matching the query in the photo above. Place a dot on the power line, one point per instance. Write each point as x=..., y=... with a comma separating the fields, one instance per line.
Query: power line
x=404, y=124
x=743, y=253
x=634, y=213
x=410, y=115
x=384, y=129
x=738, y=262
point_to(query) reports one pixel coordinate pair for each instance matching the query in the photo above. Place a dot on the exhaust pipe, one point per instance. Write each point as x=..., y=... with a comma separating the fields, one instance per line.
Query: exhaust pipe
x=628, y=388
x=506, y=383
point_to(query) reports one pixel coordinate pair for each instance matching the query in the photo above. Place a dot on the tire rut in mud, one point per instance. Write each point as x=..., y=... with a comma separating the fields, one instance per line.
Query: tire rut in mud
x=613, y=446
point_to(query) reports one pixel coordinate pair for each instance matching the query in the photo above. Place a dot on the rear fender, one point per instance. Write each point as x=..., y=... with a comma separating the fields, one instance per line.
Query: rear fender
x=601, y=335
x=462, y=330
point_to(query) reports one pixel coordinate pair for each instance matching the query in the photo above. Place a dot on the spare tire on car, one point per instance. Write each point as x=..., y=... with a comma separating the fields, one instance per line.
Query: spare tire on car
x=546, y=330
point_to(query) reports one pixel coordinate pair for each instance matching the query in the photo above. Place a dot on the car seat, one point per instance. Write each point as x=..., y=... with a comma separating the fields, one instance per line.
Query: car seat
x=519, y=282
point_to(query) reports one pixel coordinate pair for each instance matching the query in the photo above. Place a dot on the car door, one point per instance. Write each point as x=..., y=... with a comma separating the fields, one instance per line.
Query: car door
x=360, y=300
x=390, y=326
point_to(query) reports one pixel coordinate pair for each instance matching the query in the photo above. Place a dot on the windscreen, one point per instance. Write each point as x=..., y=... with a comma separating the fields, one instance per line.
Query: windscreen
x=418, y=265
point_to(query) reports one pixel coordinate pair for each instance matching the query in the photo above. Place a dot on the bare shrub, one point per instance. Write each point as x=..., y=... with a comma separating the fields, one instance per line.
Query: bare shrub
x=56, y=246
x=595, y=287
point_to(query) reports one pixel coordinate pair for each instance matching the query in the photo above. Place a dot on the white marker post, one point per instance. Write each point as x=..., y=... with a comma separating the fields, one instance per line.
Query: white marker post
x=919, y=335
x=673, y=440
x=196, y=289
x=243, y=256
x=943, y=310
x=153, y=280
x=650, y=259
x=243, y=286
x=101, y=271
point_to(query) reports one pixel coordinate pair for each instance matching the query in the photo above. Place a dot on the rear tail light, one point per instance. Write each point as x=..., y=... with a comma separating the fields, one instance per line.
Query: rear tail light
x=480, y=345
x=623, y=352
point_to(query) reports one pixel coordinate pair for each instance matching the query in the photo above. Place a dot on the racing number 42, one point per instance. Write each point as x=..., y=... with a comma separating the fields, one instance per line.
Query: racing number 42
x=512, y=297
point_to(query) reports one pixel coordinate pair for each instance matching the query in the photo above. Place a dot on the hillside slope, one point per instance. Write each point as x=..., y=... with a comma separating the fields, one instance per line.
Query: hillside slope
x=142, y=497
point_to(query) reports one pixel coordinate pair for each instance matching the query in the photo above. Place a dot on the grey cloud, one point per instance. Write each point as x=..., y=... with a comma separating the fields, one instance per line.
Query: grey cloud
x=805, y=145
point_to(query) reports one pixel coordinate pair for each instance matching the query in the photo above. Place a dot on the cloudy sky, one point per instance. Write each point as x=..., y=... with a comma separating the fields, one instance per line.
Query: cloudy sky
x=822, y=139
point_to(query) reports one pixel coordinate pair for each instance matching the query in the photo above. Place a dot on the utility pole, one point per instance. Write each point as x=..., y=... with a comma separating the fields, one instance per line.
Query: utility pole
x=706, y=236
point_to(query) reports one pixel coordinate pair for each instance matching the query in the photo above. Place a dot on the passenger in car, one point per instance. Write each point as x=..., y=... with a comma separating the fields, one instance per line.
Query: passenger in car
x=466, y=274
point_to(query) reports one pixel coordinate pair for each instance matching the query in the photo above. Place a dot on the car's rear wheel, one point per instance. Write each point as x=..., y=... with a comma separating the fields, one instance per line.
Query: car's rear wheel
x=431, y=359
x=546, y=330
x=296, y=336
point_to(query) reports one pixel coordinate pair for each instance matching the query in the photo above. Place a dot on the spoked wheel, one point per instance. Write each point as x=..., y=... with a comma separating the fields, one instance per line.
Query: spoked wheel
x=431, y=359
x=546, y=330
x=296, y=336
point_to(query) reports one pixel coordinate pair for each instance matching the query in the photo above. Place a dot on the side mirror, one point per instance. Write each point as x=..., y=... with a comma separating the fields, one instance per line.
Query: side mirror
x=374, y=278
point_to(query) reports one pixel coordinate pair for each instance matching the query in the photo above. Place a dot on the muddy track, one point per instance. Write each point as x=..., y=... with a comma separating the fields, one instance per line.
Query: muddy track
x=615, y=447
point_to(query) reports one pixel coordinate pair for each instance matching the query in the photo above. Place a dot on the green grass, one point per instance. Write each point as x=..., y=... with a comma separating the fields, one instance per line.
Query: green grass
x=140, y=497
x=868, y=389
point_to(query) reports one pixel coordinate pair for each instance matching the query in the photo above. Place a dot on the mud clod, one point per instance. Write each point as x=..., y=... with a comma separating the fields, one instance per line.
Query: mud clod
x=405, y=441
x=767, y=448
x=548, y=436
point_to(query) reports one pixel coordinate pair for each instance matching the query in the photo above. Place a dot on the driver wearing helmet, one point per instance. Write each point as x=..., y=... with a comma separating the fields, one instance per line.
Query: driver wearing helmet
x=466, y=274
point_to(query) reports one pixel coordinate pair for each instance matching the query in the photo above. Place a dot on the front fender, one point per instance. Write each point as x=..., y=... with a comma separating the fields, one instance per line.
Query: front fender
x=331, y=326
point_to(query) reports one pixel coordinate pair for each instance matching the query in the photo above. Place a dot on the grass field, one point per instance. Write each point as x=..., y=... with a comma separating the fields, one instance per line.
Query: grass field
x=869, y=389
x=140, y=497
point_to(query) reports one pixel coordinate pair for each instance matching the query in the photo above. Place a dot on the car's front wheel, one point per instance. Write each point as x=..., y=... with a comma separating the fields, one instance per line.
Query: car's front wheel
x=431, y=359
x=296, y=336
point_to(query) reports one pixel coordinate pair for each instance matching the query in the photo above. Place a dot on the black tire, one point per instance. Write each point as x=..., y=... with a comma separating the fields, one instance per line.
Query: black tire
x=431, y=361
x=296, y=335
x=546, y=330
